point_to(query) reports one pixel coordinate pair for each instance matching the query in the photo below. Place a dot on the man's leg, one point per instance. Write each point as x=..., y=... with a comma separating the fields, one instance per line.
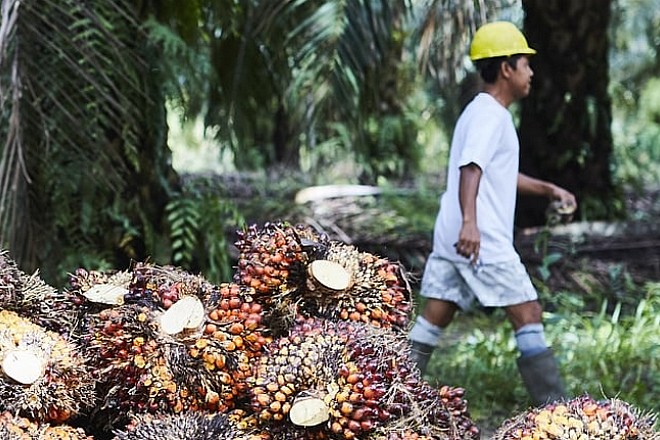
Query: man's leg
x=537, y=364
x=428, y=328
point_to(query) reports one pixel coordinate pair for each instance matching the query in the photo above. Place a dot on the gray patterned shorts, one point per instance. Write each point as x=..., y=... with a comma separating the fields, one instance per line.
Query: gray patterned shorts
x=493, y=285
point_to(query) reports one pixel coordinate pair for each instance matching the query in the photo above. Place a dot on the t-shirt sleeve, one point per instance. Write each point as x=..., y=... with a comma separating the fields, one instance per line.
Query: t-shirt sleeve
x=482, y=135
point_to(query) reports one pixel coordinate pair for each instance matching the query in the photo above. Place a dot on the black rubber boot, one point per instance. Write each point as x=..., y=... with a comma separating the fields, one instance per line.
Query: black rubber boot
x=420, y=354
x=541, y=377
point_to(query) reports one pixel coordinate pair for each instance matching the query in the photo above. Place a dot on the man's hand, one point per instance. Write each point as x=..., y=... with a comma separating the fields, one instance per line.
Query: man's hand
x=469, y=240
x=566, y=199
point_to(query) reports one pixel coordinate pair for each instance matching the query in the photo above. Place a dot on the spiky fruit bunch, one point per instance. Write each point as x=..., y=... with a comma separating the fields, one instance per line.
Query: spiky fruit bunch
x=380, y=387
x=134, y=366
x=20, y=428
x=187, y=425
x=271, y=259
x=385, y=434
x=43, y=376
x=131, y=365
x=144, y=284
x=236, y=319
x=345, y=380
x=46, y=306
x=151, y=363
x=581, y=418
x=162, y=286
x=10, y=279
x=293, y=368
x=232, y=334
x=375, y=291
x=93, y=290
x=32, y=298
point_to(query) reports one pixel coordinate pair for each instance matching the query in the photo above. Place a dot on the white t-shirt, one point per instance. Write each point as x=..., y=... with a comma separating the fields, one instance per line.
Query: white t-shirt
x=485, y=135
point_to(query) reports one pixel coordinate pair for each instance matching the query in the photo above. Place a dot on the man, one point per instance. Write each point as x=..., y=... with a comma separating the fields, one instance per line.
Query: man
x=473, y=254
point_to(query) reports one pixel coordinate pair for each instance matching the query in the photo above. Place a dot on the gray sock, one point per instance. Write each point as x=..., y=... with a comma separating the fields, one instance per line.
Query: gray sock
x=425, y=332
x=530, y=339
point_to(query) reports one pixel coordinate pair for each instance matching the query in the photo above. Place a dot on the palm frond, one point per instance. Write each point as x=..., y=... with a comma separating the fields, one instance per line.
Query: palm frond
x=75, y=115
x=445, y=30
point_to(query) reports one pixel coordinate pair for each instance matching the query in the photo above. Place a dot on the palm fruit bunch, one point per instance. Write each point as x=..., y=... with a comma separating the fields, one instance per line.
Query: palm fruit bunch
x=272, y=259
x=342, y=380
x=10, y=280
x=192, y=356
x=380, y=387
x=232, y=335
x=43, y=376
x=581, y=418
x=20, y=428
x=296, y=369
x=134, y=366
x=163, y=286
x=296, y=270
x=187, y=425
x=144, y=284
x=406, y=434
x=94, y=290
x=345, y=284
x=32, y=298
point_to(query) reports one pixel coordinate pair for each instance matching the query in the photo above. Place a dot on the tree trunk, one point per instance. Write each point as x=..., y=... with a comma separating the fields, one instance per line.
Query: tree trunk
x=565, y=122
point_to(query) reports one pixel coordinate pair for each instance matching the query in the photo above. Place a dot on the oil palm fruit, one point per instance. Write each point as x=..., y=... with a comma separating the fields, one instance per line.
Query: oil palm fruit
x=32, y=298
x=235, y=317
x=131, y=363
x=581, y=418
x=296, y=370
x=380, y=387
x=271, y=259
x=145, y=284
x=187, y=425
x=43, y=376
x=10, y=280
x=21, y=428
x=140, y=368
x=346, y=284
x=163, y=286
x=92, y=290
x=232, y=335
x=346, y=380
x=191, y=356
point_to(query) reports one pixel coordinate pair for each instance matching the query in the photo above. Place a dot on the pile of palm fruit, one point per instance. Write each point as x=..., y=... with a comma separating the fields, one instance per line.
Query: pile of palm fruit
x=13, y=427
x=307, y=326
x=307, y=341
x=45, y=381
x=581, y=418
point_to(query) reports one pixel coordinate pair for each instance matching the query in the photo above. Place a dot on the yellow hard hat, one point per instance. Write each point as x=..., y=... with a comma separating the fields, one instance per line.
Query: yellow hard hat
x=498, y=39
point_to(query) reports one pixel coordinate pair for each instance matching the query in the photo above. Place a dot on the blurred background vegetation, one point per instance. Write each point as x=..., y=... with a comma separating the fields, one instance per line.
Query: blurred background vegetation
x=154, y=129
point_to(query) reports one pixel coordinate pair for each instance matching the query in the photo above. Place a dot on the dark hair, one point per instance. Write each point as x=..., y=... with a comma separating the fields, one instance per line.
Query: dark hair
x=489, y=67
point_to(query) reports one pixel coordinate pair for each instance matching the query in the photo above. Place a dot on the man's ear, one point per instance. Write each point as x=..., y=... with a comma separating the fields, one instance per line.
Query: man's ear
x=505, y=70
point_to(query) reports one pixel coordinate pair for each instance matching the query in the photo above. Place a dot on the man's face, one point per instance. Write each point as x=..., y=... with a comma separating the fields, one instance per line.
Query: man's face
x=521, y=77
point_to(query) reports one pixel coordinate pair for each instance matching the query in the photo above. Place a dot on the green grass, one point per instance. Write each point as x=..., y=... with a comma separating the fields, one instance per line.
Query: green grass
x=605, y=353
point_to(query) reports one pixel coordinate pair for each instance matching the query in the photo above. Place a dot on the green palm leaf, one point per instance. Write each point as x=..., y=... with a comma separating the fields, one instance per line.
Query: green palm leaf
x=73, y=96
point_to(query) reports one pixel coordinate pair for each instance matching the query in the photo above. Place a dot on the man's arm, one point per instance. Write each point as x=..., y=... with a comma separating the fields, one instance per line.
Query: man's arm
x=469, y=238
x=537, y=187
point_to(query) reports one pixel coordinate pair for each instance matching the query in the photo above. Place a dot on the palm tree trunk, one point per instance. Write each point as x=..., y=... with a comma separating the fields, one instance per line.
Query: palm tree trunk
x=565, y=122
